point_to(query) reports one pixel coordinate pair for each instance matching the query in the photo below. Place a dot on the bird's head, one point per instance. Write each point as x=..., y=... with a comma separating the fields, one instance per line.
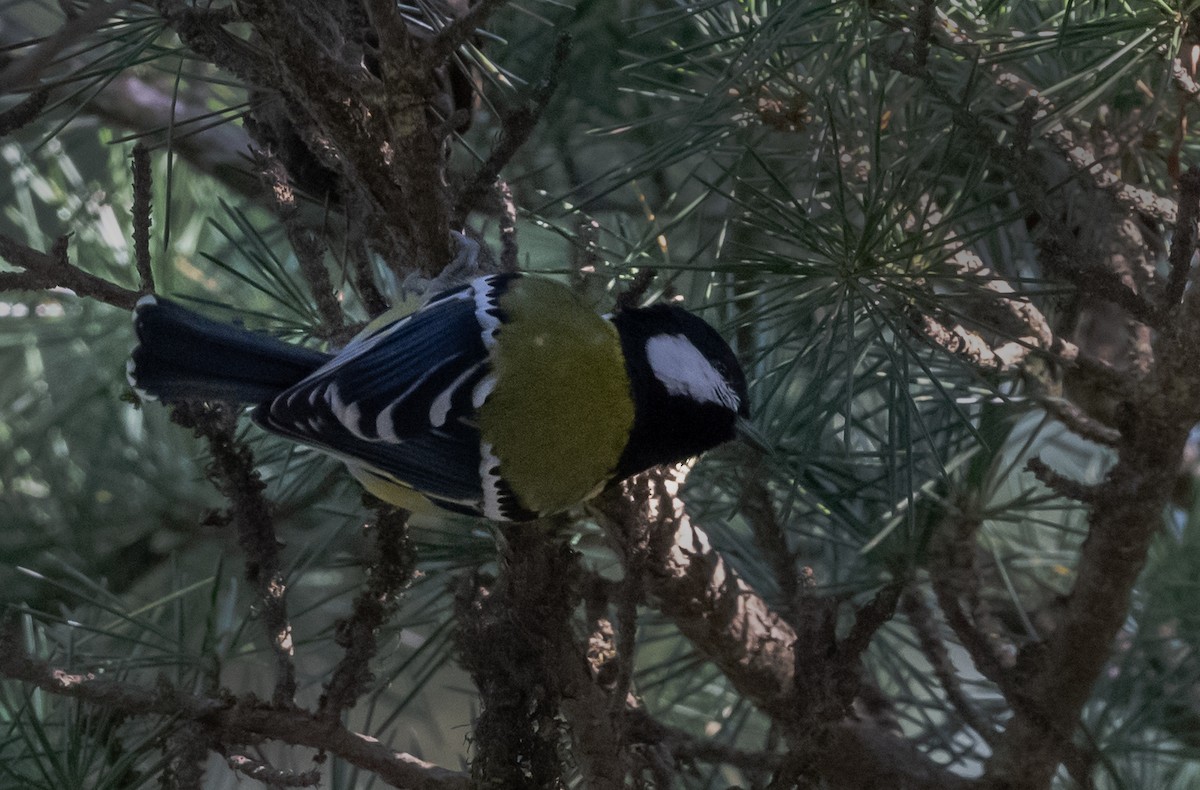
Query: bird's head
x=689, y=390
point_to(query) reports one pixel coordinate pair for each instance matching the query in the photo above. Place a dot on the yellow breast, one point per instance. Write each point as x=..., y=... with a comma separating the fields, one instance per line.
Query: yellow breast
x=561, y=412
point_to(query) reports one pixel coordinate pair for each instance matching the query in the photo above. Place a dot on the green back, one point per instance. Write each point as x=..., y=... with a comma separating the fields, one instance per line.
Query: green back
x=562, y=412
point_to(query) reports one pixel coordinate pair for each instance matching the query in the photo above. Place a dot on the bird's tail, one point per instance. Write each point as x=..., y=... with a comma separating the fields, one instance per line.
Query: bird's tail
x=183, y=355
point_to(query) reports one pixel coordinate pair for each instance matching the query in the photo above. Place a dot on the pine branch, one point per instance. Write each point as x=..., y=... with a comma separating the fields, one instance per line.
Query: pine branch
x=515, y=129
x=455, y=34
x=44, y=271
x=934, y=649
x=752, y=645
x=373, y=606
x=233, y=473
x=237, y=717
x=1125, y=516
x=309, y=249
x=23, y=113
x=143, y=186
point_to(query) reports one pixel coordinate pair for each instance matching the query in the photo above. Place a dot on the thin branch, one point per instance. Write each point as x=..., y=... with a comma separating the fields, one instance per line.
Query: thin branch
x=752, y=645
x=52, y=270
x=962, y=342
x=1079, y=422
x=204, y=34
x=308, y=246
x=955, y=579
x=758, y=504
x=1061, y=249
x=455, y=34
x=377, y=602
x=244, y=716
x=868, y=619
x=922, y=32
x=1059, y=483
x=934, y=649
x=23, y=74
x=508, y=228
x=1183, y=245
x=362, y=271
x=23, y=112
x=1126, y=513
x=507, y=629
x=233, y=473
x=143, y=186
x=515, y=128
x=709, y=603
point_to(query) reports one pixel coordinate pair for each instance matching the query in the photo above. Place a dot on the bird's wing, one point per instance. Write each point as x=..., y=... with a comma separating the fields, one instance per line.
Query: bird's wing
x=403, y=399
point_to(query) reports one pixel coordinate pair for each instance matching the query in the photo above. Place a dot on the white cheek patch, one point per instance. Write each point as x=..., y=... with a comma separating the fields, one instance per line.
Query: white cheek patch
x=684, y=371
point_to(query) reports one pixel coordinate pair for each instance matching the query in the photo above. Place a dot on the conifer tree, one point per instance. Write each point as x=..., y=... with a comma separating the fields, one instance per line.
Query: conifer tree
x=953, y=244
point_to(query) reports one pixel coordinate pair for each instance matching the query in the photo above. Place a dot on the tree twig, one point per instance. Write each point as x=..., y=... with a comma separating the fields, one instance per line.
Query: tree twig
x=53, y=270
x=142, y=195
x=508, y=228
x=378, y=600
x=1184, y=242
x=237, y=715
x=23, y=112
x=233, y=473
x=515, y=128
x=934, y=649
x=455, y=34
x=683, y=746
x=751, y=644
x=1059, y=483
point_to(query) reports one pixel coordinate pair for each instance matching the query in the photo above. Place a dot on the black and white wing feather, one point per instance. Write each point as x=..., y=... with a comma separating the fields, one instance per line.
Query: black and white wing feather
x=403, y=400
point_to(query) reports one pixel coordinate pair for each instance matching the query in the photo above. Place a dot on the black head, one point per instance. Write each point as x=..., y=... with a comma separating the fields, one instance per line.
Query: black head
x=688, y=387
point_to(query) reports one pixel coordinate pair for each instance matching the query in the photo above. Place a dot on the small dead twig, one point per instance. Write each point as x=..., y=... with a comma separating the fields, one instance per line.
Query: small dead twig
x=142, y=193
x=1061, y=484
x=363, y=273
x=868, y=619
x=455, y=34
x=769, y=533
x=683, y=746
x=515, y=129
x=922, y=33
x=241, y=716
x=23, y=112
x=308, y=246
x=358, y=634
x=1184, y=242
x=232, y=471
x=955, y=580
x=508, y=228
x=46, y=270
x=921, y=618
x=1079, y=422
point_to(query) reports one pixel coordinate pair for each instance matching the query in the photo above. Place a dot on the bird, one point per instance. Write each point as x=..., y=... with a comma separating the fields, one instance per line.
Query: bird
x=505, y=397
